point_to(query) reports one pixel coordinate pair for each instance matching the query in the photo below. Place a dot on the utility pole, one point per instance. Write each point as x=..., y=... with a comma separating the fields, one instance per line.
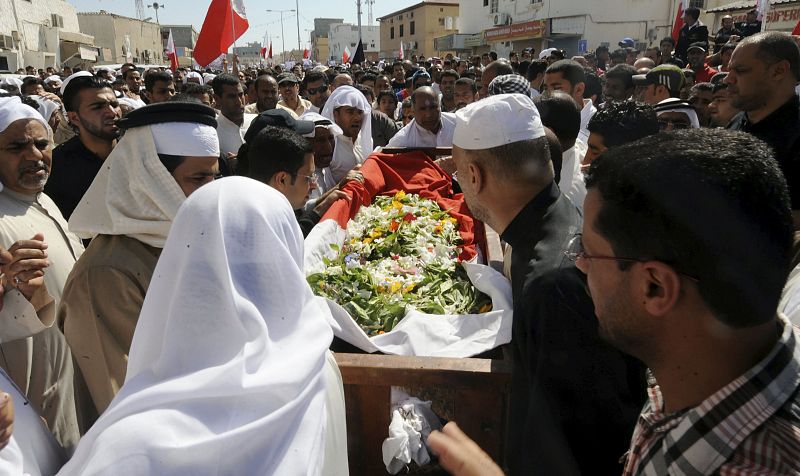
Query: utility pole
x=358, y=7
x=283, y=37
x=155, y=6
x=297, y=15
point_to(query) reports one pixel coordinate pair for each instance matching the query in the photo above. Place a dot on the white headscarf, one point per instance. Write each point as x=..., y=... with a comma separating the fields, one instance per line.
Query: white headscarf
x=320, y=121
x=46, y=106
x=12, y=109
x=677, y=105
x=350, y=96
x=193, y=74
x=225, y=374
x=133, y=194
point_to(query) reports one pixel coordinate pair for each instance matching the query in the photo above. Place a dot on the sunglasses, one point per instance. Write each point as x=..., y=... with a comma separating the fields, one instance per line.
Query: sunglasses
x=317, y=90
x=664, y=124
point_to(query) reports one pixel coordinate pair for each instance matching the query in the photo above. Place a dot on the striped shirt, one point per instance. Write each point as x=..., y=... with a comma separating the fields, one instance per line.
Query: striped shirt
x=750, y=426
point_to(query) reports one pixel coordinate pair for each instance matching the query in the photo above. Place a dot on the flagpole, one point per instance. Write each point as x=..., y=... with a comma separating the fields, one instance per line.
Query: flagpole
x=233, y=29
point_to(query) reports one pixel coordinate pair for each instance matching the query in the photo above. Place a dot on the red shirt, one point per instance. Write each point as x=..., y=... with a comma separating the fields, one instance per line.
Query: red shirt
x=704, y=75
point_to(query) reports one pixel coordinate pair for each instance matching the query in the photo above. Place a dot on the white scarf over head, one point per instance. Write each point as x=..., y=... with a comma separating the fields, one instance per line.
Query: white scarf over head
x=133, y=194
x=226, y=369
x=362, y=147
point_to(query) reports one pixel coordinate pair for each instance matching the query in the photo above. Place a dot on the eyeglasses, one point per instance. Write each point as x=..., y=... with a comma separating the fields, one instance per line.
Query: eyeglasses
x=317, y=90
x=287, y=85
x=664, y=125
x=575, y=251
x=310, y=179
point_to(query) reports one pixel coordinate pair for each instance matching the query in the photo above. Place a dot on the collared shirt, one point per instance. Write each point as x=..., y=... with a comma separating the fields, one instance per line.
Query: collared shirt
x=586, y=115
x=781, y=130
x=414, y=135
x=303, y=105
x=571, y=180
x=750, y=426
x=74, y=168
x=253, y=109
x=231, y=136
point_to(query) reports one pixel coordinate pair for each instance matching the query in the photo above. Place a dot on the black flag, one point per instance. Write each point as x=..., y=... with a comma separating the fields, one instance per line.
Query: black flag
x=358, y=58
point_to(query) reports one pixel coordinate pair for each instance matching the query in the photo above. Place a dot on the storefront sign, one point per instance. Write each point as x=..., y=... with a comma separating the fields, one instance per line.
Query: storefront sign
x=474, y=40
x=568, y=25
x=518, y=31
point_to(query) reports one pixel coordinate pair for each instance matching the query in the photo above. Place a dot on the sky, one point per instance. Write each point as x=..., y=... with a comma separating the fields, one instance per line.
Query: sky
x=262, y=23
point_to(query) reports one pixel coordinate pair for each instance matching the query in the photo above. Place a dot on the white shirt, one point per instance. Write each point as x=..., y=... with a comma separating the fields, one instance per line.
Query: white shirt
x=571, y=180
x=414, y=135
x=346, y=155
x=790, y=301
x=586, y=114
x=231, y=136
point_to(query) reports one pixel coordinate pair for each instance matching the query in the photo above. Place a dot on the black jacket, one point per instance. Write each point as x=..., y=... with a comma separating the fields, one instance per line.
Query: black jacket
x=688, y=36
x=73, y=170
x=781, y=130
x=574, y=398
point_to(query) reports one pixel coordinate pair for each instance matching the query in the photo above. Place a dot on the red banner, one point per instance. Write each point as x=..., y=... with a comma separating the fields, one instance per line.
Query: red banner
x=529, y=29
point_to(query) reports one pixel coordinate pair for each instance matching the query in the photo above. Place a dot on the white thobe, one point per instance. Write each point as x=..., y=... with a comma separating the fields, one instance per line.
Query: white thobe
x=346, y=155
x=414, y=135
x=586, y=114
x=231, y=136
x=571, y=180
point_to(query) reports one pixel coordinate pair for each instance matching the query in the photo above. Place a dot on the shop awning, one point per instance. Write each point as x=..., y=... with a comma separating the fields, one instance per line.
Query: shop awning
x=744, y=5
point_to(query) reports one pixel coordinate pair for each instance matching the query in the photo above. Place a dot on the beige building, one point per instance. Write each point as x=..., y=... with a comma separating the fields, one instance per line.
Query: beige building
x=127, y=39
x=417, y=26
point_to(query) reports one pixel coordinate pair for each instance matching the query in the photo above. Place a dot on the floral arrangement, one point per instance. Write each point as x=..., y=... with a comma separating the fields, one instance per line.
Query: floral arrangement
x=400, y=251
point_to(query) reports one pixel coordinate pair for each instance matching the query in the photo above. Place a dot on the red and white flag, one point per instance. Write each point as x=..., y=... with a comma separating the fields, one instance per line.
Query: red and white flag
x=171, y=53
x=225, y=22
x=401, y=50
x=269, y=54
x=796, y=30
x=346, y=55
x=306, y=53
x=676, y=27
x=263, y=51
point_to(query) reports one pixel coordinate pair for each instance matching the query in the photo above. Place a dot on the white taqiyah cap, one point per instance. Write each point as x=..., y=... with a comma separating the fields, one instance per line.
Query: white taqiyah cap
x=12, y=109
x=71, y=77
x=497, y=120
x=185, y=139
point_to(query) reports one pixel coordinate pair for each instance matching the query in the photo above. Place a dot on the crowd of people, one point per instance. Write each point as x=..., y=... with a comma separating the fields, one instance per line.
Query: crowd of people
x=155, y=313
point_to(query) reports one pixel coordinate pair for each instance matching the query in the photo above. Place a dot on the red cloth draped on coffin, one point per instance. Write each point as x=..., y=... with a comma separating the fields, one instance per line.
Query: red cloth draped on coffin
x=412, y=172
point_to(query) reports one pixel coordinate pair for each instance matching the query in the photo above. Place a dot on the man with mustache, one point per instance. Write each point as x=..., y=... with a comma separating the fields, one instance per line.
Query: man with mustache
x=93, y=109
x=33, y=351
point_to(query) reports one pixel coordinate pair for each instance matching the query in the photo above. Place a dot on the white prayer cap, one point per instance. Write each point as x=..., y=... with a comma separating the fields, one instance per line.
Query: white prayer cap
x=185, y=139
x=3, y=91
x=545, y=53
x=129, y=102
x=73, y=76
x=52, y=79
x=320, y=121
x=497, y=120
x=46, y=106
x=12, y=110
x=193, y=74
x=12, y=81
x=208, y=77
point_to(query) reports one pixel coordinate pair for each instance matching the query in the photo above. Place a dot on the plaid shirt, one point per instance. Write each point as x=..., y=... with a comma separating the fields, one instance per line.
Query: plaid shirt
x=750, y=426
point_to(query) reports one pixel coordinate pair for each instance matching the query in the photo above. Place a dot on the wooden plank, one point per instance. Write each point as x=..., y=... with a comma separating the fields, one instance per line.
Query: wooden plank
x=378, y=370
x=368, y=420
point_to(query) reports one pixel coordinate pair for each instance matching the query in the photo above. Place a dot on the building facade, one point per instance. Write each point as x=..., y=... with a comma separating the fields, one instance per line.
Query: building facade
x=575, y=26
x=417, y=26
x=33, y=32
x=320, y=50
x=249, y=55
x=128, y=39
x=184, y=37
x=345, y=35
x=783, y=15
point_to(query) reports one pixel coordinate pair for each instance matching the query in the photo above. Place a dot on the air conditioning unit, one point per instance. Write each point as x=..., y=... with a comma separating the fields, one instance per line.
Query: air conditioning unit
x=57, y=21
x=6, y=42
x=500, y=19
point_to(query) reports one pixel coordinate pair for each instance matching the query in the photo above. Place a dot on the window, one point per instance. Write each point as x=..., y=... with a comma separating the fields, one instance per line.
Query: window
x=412, y=14
x=493, y=7
x=533, y=2
x=411, y=28
x=441, y=9
x=697, y=3
x=485, y=3
x=441, y=22
x=399, y=17
x=391, y=33
x=401, y=31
